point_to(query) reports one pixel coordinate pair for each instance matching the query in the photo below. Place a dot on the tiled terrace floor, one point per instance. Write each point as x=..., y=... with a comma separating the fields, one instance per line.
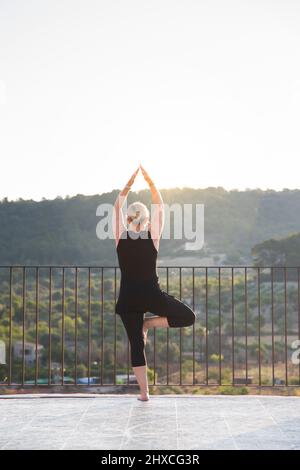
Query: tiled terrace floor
x=165, y=422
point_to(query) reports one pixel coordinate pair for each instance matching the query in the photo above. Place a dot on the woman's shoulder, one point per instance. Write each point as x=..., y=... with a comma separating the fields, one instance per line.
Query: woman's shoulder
x=121, y=238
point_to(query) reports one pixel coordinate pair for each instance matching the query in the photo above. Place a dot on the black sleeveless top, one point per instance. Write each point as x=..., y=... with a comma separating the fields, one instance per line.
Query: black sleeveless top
x=137, y=257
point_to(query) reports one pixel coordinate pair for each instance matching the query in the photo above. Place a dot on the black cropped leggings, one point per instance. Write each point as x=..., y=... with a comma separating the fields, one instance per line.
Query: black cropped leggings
x=178, y=315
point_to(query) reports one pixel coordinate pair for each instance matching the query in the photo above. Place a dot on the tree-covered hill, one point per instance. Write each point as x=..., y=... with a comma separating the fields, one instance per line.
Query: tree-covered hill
x=283, y=252
x=63, y=230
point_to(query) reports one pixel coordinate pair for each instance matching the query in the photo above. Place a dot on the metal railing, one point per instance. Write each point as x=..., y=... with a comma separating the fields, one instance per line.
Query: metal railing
x=58, y=327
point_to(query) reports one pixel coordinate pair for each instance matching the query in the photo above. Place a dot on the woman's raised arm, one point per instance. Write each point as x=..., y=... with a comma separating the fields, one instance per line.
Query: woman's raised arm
x=157, y=212
x=118, y=220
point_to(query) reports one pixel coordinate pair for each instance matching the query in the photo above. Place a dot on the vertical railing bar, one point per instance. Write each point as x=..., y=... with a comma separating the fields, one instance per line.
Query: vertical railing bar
x=128, y=358
x=193, y=300
x=76, y=321
x=285, y=327
x=115, y=326
x=232, y=325
x=102, y=324
x=206, y=324
x=246, y=324
x=49, y=326
x=298, y=278
x=154, y=355
x=63, y=327
x=23, y=326
x=180, y=330
x=220, y=328
x=89, y=324
x=167, y=332
x=10, y=326
x=259, y=327
x=272, y=321
x=36, y=323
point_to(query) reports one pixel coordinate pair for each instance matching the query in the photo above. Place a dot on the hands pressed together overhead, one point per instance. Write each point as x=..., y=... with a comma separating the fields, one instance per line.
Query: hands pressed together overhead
x=145, y=174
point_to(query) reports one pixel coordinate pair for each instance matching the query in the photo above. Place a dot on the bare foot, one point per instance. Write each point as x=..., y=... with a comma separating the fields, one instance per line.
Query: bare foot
x=144, y=396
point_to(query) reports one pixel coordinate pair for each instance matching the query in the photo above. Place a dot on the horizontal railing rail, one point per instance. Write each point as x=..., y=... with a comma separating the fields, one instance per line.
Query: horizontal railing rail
x=58, y=327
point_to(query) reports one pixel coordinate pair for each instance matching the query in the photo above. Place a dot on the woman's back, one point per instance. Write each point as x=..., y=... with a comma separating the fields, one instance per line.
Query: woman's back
x=137, y=255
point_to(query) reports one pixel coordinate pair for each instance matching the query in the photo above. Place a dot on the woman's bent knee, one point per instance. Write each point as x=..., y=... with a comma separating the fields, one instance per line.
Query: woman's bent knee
x=193, y=319
x=187, y=315
x=186, y=318
x=189, y=318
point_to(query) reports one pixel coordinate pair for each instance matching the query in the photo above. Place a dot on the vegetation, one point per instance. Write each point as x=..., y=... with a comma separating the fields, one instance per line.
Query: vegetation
x=63, y=230
x=282, y=252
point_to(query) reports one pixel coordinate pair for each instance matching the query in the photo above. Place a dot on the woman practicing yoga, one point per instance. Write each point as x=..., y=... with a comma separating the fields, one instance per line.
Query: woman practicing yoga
x=140, y=291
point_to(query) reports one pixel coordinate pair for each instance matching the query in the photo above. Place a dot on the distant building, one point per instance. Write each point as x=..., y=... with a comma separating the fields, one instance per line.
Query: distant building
x=29, y=351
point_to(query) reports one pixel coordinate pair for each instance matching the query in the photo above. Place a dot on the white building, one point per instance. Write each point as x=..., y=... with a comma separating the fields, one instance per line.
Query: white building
x=29, y=351
x=2, y=352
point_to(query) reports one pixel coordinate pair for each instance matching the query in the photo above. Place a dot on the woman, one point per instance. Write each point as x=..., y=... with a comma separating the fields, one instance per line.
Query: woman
x=140, y=291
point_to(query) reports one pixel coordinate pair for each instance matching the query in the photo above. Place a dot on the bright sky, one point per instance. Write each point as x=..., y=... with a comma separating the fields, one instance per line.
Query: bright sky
x=202, y=92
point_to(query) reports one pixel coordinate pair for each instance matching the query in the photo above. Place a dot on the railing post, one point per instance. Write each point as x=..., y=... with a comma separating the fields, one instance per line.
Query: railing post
x=49, y=326
x=89, y=324
x=115, y=325
x=180, y=330
x=246, y=325
x=206, y=324
x=232, y=325
x=272, y=320
x=298, y=283
x=285, y=327
x=167, y=333
x=220, y=328
x=76, y=320
x=23, y=325
x=36, y=324
x=63, y=328
x=10, y=326
x=193, y=303
x=259, y=328
x=102, y=325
